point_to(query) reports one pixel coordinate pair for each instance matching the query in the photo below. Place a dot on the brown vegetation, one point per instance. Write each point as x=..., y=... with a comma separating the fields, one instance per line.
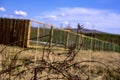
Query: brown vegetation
x=20, y=64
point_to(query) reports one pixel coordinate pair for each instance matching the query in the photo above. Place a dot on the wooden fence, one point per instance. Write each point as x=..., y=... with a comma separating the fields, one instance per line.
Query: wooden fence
x=20, y=32
x=14, y=32
x=65, y=38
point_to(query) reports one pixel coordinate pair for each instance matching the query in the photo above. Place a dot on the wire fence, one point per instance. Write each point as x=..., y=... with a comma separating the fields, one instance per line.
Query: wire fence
x=65, y=38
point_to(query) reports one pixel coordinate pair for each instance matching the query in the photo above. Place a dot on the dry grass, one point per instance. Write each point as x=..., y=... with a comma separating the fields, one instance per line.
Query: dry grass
x=99, y=66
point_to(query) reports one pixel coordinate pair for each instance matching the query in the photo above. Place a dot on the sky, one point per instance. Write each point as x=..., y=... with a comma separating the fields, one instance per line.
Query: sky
x=104, y=15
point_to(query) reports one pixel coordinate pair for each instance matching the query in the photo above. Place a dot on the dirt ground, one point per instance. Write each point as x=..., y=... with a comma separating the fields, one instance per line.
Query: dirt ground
x=97, y=65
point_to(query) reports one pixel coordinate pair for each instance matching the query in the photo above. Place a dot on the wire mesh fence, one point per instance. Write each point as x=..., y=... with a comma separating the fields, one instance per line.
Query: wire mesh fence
x=65, y=38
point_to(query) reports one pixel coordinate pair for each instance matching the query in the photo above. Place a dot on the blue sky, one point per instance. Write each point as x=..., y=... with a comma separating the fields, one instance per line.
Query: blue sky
x=103, y=14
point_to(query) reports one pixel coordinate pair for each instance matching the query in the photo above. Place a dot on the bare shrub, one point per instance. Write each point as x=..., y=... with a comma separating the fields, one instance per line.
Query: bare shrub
x=51, y=65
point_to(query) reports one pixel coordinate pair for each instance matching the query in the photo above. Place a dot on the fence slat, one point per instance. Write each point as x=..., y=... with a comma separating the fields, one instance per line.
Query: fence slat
x=0, y=30
x=67, y=39
x=51, y=37
x=11, y=31
x=27, y=33
x=4, y=32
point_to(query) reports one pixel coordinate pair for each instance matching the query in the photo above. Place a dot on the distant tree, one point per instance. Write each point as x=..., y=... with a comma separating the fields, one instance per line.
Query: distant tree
x=80, y=26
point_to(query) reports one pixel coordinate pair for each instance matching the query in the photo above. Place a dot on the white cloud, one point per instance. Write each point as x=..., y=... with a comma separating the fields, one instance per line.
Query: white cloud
x=65, y=22
x=61, y=14
x=88, y=24
x=101, y=19
x=50, y=17
x=20, y=13
x=2, y=9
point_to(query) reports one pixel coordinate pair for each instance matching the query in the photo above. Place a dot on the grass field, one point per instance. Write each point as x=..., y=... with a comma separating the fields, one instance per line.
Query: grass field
x=21, y=63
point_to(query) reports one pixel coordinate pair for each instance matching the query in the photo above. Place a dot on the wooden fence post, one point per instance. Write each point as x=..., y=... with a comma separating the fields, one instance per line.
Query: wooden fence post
x=51, y=36
x=14, y=35
x=28, y=36
x=0, y=30
x=67, y=39
x=4, y=31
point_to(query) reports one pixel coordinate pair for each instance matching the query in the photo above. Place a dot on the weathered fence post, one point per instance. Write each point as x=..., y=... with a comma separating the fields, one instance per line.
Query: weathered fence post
x=67, y=39
x=51, y=36
x=28, y=36
x=28, y=33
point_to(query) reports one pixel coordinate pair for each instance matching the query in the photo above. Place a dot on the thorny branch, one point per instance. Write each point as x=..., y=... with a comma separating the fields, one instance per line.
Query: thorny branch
x=47, y=69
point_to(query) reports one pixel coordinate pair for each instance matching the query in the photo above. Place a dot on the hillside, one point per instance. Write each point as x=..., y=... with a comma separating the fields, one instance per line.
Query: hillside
x=113, y=38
